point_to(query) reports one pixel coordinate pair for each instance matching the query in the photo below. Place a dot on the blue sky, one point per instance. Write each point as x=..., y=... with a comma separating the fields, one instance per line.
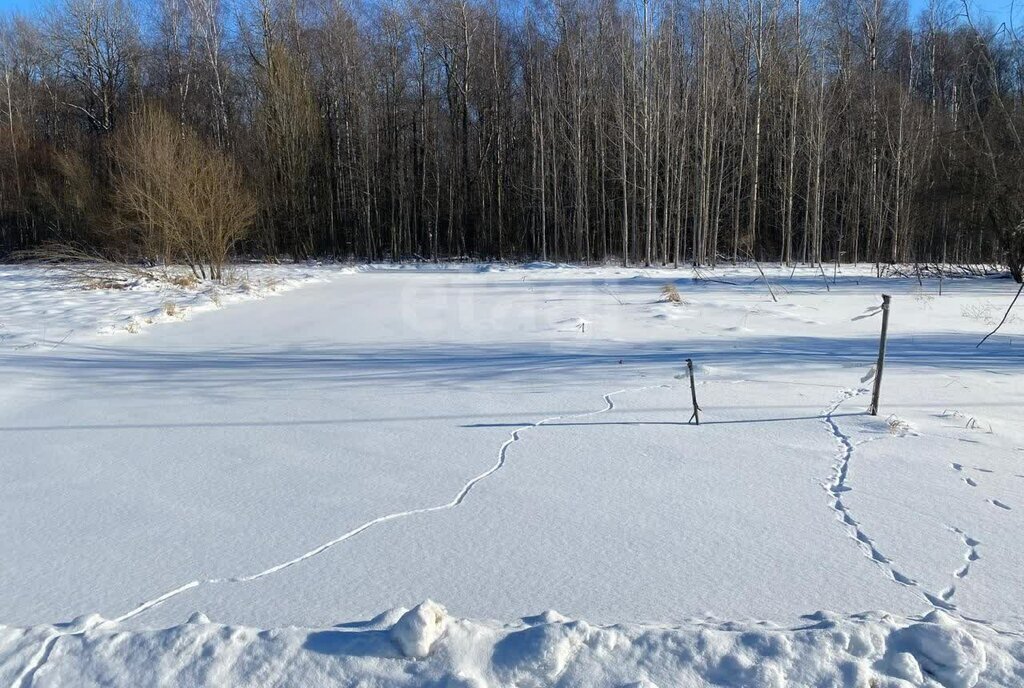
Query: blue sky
x=22, y=5
x=25, y=6
x=997, y=10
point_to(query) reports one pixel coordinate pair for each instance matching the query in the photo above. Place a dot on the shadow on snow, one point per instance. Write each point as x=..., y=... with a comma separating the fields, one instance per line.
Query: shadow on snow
x=539, y=363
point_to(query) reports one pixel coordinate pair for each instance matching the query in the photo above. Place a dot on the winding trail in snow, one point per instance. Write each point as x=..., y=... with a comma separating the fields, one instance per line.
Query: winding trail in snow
x=457, y=500
x=838, y=486
x=25, y=678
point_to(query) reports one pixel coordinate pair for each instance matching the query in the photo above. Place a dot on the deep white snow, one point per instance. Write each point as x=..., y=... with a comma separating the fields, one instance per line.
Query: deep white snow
x=507, y=441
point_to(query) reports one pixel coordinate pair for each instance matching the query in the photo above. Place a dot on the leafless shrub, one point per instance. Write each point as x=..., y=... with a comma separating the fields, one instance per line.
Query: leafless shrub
x=236, y=278
x=89, y=268
x=185, y=201
x=985, y=312
x=923, y=298
x=69, y=192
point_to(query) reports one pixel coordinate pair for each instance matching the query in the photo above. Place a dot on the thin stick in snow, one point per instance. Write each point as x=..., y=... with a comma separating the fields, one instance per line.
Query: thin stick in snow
x=824, y=278
x=764, y=277
x=1005, y=316
x=693, y=394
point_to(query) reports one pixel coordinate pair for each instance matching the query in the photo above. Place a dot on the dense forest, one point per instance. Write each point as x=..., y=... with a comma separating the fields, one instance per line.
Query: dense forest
x=641, y=131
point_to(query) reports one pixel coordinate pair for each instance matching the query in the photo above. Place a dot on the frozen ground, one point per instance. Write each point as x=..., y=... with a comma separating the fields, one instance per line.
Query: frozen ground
x=509, y=441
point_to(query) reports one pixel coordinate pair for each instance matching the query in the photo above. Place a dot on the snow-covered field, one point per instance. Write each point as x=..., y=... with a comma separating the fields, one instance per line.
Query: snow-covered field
x=255, y=495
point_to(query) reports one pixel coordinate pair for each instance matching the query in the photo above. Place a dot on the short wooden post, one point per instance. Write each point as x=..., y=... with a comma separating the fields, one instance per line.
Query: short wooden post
x=873, y=409
x=693, y=394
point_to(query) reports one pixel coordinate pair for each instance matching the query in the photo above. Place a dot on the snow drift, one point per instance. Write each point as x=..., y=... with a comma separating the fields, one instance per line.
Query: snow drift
x=426, y=647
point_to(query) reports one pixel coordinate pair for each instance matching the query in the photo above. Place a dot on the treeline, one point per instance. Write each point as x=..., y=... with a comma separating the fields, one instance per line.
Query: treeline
x=644, y=131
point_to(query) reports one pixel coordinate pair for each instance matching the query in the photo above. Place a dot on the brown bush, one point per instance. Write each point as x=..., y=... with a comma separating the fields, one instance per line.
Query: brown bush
x=69, y=194
x=187, y=202
x=670, y=294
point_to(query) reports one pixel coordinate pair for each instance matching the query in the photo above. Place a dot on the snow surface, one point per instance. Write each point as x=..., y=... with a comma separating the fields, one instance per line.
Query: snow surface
x=44, y=307
x=507, y=440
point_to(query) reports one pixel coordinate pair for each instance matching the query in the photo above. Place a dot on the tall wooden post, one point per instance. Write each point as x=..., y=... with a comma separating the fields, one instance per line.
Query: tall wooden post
x=693, y=393
x=873, y=409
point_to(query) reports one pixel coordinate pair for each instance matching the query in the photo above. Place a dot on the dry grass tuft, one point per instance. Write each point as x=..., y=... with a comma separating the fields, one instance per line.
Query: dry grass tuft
x=670, y=294
x=91, y=283
x=183, y=281
x=897, y=426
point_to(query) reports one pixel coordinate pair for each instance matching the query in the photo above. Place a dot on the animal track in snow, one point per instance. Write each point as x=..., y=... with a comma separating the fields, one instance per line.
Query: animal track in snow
x=456, y=501
x=838, y=486
x=959, y=468
x=970, y=556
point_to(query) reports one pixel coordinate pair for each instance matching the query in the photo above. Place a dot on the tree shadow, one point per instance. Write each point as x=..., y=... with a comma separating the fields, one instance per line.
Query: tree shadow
x=737, y=421
x=453, y=363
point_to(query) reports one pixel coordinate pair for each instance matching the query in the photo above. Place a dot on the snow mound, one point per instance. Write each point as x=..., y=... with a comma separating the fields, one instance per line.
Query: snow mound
x=425, y=647
x=940, y=649
x=419, y=628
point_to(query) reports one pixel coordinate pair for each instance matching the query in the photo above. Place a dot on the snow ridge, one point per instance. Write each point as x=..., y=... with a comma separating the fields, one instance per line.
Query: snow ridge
x=78, y=626
x=459, y=498
x=427, y=647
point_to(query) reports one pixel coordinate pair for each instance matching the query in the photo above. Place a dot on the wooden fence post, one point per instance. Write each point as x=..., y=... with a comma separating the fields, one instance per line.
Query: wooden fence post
x=873, y=409
x=693, y=394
